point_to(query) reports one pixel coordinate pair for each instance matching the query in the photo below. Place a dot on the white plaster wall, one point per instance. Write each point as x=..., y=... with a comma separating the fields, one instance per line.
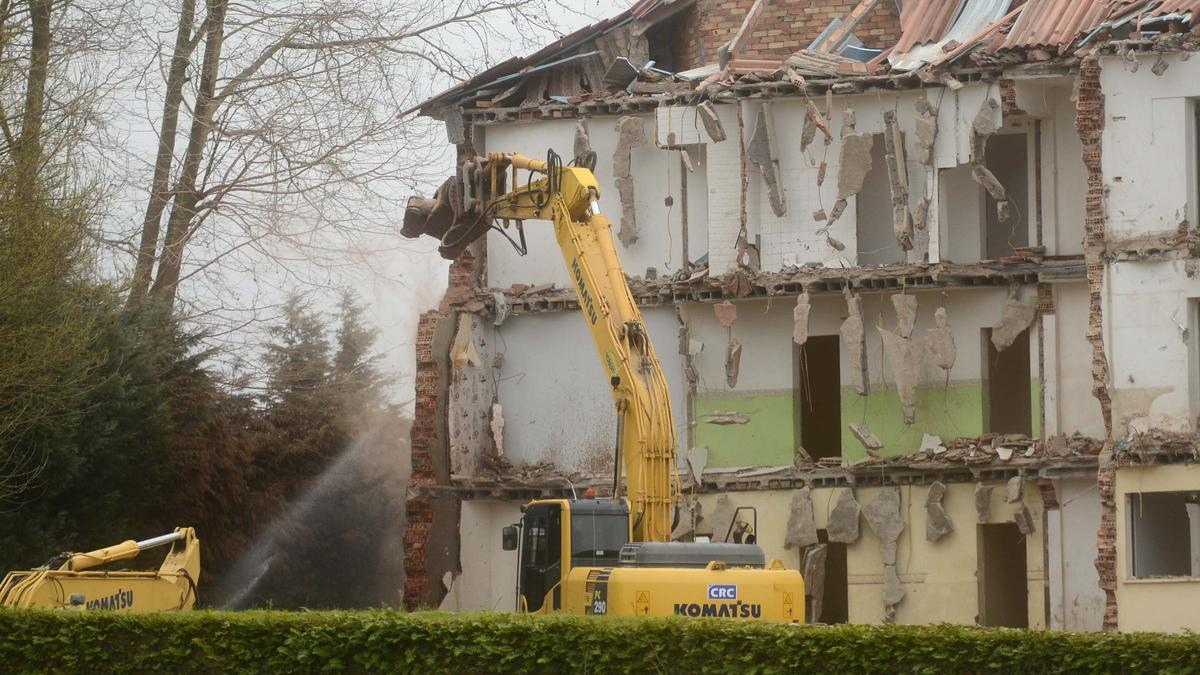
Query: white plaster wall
x=1147, y=342
x=1149, y=144
x=656, y=173
x=1077, y=410
x=1064, y=178
x=714, y=188
x=489, y=573
x=764, y=327
x=792, y=239
x=557, y=403
x=1076, y=601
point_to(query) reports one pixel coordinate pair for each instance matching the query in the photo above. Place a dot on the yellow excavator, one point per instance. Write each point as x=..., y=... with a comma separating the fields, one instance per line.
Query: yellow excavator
x=70, y=581
x=605, y=556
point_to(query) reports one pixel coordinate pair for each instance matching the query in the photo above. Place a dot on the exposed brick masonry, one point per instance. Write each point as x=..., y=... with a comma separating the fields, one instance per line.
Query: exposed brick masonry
x=784, y=27
x=1089, y=122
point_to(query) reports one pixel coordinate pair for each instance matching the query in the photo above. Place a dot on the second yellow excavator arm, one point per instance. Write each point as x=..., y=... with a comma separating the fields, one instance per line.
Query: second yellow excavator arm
x=568, y=197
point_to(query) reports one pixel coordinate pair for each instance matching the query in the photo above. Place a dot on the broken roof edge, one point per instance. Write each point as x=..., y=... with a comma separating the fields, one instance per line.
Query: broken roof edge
x=1012, y=40
x=643, y=10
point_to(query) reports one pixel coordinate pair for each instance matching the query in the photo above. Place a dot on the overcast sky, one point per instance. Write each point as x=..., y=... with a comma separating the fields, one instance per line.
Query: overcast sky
x=396, y=278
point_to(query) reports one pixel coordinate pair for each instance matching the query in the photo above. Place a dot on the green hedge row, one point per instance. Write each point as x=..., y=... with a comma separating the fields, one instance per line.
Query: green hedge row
x=383, y=641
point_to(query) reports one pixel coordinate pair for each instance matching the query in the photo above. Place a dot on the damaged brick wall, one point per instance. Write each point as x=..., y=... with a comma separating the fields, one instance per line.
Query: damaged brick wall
x=1089, y=122
x=431, y=545
x=784, y=26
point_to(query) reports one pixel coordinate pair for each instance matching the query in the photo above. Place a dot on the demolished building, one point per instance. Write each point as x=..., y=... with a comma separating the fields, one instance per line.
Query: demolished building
x=923, y=279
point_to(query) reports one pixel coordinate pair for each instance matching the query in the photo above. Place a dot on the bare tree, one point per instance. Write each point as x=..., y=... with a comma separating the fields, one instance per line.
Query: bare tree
x=296, y=140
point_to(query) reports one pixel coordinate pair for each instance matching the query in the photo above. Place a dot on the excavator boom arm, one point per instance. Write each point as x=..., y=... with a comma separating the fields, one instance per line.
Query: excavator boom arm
x=568, y=198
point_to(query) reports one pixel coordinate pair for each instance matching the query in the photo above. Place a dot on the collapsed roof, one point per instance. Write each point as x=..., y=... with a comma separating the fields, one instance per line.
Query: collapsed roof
x=611, y=58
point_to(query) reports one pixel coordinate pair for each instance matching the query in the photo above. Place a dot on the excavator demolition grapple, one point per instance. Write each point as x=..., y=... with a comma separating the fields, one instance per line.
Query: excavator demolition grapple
x=71, y=580
x=606, y=556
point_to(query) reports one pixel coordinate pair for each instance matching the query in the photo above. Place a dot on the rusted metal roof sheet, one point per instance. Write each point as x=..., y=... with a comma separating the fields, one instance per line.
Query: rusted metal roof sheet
x=1177, y=7
x=968, y=22
x=1055, y=24
x=924, y=21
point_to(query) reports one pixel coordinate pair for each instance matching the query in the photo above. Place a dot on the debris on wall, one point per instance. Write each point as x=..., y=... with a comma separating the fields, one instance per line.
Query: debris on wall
x=905, y=360
x=940, y=341
x=711, y=121
x=726, y=313
x=723, y=417
x=456, y=131
x=697, y=459
x=733, y=362
x=800, y=319
x=893, y=141
x=932, y=444
x=814, y=578
x=927, y=128
x=982, y=127
x=761, y=153
x=470, y=394
x=887, y=522
x=984, y=124
x=854, y=163
x=630, y=134
x=801, y=525
x=721, y=518
x=869, y=440
x=854, y=340
x=1015, y=318
x=937, y=521
x=906, y=313
x=842, y=526
x=1024, y=520
x=583, y=141
x=463, y=353
x=499, y=308
x=814, y=121
x=687, y=514
x=497, y=425
x=1014, y=490
x=983, y=502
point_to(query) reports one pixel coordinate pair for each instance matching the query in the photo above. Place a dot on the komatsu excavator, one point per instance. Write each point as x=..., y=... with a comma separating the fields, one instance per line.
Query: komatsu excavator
x=70, y=581
x=605, y=556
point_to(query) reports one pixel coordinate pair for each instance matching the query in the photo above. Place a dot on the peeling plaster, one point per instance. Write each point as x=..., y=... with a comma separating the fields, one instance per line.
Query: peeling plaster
x=801, y=525
x=854, y=340
x=843, y=520
x=983, y=502
x=630, y=133
x=937, y=521
x=761, y=153
x=884, y=517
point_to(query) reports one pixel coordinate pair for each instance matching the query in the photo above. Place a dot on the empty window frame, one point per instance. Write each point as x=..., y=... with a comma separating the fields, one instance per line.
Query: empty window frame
x=876, y=235
x=1163, y=534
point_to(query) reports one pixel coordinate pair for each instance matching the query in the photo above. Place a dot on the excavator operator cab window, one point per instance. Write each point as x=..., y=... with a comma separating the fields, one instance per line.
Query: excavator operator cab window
x=597, y=538
x=541, y=554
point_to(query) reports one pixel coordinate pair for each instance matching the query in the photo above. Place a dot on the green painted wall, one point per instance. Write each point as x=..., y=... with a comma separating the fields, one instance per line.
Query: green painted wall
x=948, y=412
x=766, y=440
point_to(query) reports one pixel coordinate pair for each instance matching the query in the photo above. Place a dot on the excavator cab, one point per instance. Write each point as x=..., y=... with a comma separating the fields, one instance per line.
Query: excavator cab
x=556, y=535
